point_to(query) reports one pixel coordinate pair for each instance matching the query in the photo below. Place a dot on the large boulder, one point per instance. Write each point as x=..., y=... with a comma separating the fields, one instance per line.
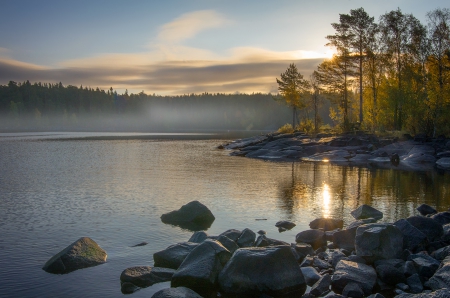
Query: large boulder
x=269, y=270
x=232, y=234
x=441, y=278
x=174, y=255
x=316, y=238
x=83, y=253
x=145, y=276
x=200, y=269
x=327, y=224
x=425, y=265
x=193, y=216
x=366, y=211
x=180, y=292
x=378, y=241
x=428, y=226
x=228, y=243
x=246, y=239
x=413, y=238
x=361, y=274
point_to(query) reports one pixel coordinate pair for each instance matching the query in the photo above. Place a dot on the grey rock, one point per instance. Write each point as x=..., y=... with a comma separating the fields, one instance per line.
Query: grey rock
x=360, y=222
x=361, y=274
x=443, y=293
x=402, y=286
x=425, y=265
x=442, y=218
x=441, y=278
x=429, y=227
x=413, y=238
x=262, y=232
x=193, y=216
x=409, y=268
x=145, y=276
x=198, y=237
x=263, y=241
x=270, y=270
x=288, y=225
x=174, y=255
x=390, y=275
x=345, y=239
x=336, y=256
x=378, y=241
x=228, y=243
x=83, y=253
x=322, y=286
x=180, y=292
x=320, y=264
x=441, y=253
x=128, y=288
x=415, y=284
x=316, y=238
x=200, y=269
x=326, y=224
x=353, y=290
x=246, y=239
x=366, y=211
x=425, y=209
x=311, y=275
x=232, y=234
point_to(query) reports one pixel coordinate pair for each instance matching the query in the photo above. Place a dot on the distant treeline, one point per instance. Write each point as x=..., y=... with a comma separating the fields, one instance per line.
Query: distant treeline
x=42, y=106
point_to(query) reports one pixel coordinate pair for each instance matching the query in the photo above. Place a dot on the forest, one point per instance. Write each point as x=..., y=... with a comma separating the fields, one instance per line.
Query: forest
x=390, y=75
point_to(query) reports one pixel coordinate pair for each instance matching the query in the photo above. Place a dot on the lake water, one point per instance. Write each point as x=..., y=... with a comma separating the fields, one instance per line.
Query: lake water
x=55, y=189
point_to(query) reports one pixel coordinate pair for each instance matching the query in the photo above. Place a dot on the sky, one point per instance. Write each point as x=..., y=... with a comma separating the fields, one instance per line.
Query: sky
x=173, y=47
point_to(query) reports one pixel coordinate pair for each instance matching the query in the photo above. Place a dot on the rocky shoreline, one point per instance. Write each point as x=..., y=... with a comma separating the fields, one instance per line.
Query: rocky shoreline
x=419, y=153
x=409, y=258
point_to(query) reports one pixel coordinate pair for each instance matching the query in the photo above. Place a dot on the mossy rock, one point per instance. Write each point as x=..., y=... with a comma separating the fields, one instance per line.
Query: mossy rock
x=83, y=253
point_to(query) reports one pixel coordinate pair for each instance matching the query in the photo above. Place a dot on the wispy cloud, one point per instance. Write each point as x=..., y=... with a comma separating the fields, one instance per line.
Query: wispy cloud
x=170, y=67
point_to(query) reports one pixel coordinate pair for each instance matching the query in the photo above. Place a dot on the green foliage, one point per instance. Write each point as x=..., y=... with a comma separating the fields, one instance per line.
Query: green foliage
x=287, y=128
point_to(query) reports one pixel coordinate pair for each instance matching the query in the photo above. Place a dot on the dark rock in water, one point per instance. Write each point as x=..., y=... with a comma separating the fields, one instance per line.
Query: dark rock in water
x=128, y=288
x=193, y=216
x=316, y=238
x=200, y=269
x=198, y=237
x=428, y=226
x=262, y=232
x=228, y=243
x=322, y=286
x=327, y=224
x=415, y=284
x=413, y=238
x=246, y=239
x=390, y=275
x=140, y=244
x=353, y=290
x=285, y=224
x=425, y=209
x=378, y=241
x=263, y=241
x=442, y=218
x=83, y=253
x=174, y=255
x=366, y=211
x=232, y=234
x=441, y=278
x=425, y=265
x=180, y=292
x=145, y=276
x=347, y=272
x=311, y=275
x=345, y=239
x=254, y=271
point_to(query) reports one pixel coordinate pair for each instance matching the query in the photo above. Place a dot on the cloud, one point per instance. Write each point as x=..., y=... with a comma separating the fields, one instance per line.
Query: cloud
x=189, y=25
x=170, y=67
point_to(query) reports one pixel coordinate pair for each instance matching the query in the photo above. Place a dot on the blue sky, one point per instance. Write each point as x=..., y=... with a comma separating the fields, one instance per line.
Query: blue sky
x=173, y=47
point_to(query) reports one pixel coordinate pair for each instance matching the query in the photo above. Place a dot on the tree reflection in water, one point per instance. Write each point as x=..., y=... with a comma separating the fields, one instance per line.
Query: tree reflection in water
x=326, y=190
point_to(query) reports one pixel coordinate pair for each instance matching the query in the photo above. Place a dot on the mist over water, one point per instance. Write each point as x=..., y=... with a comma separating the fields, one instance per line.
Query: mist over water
x=55, y=189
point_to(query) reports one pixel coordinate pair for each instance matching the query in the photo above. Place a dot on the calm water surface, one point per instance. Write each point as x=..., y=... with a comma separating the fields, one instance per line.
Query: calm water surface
x=54, y=190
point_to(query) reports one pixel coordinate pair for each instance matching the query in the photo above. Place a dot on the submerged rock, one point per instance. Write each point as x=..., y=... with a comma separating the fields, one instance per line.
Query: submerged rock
x=327, y=224
x=254, y=271
x=83, y=253
x=285, y=224
x=366, y=211
x=193, y=216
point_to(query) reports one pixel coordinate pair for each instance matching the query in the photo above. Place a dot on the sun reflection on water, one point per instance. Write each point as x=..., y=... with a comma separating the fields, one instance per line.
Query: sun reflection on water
x=326, y=199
